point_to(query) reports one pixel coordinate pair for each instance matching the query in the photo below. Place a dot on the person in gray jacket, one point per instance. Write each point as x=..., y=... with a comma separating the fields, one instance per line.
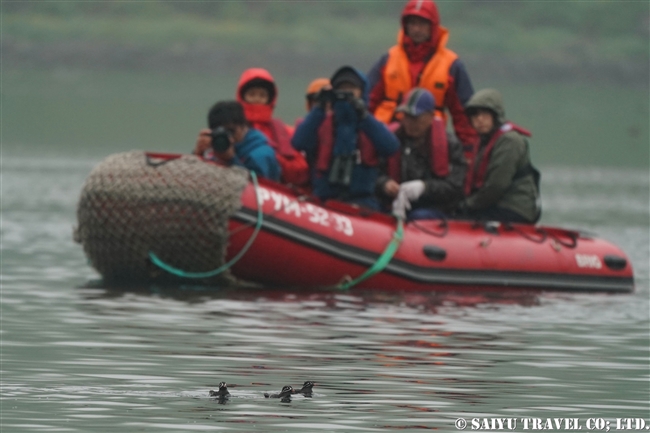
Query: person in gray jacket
x=504, y=183
x=424, y=179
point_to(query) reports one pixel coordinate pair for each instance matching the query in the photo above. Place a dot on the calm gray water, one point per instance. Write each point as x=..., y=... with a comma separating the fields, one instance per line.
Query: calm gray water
x=78, y=358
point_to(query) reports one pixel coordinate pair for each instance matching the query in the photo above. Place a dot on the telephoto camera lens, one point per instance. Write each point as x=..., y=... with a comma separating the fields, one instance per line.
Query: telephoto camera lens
x=220, y=139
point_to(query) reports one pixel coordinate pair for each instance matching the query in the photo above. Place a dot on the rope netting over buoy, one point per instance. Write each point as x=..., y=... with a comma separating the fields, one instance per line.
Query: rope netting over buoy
x=133, y=203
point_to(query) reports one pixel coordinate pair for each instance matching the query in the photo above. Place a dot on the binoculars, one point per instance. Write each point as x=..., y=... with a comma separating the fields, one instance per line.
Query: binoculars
x=341, y=171
x=331, y=96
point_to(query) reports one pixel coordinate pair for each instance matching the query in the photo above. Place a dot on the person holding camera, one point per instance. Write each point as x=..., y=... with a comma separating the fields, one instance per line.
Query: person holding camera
x=232, y=141
x=426, y=175
x=343, y=142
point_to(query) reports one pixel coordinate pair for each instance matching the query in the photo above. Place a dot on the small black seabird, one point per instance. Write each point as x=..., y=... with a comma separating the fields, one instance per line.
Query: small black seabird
x=284, y=394
x=222, y=393
x=306, y=389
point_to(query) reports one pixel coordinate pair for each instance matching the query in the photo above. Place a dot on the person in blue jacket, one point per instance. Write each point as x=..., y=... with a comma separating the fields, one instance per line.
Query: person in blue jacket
x=343, y=141
x=232, y=141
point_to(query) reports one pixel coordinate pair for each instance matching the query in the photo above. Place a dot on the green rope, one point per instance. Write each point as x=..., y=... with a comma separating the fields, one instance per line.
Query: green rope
x=382, y=261
x=180, y=273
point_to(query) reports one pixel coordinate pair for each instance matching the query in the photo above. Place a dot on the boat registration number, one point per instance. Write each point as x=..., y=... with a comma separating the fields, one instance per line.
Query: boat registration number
x=314, y=214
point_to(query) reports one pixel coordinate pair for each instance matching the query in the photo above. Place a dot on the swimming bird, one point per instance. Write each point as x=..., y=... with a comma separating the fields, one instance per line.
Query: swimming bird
x=222, y=393
x=287, y=390
x=306, y=389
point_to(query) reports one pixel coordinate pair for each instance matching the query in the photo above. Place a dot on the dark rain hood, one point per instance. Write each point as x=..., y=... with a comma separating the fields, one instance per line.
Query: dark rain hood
x=490, y=99
x=365, y=91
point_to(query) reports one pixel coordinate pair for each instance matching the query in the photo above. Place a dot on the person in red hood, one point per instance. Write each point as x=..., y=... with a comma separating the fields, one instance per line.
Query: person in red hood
x=258, y=93
x=421, y=59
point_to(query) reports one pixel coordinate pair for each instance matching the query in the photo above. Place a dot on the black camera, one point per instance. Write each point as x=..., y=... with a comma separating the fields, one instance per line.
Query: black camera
x=220, y=139
x=331, y=96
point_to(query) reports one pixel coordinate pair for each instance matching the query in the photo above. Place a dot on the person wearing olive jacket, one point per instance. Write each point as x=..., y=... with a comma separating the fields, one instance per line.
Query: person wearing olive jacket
x=504, y=183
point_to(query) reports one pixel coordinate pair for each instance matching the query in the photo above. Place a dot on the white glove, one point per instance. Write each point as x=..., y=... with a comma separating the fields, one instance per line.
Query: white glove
x=408, y=192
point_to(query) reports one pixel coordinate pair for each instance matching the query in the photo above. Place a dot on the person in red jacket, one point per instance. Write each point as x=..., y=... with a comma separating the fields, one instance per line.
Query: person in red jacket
x=258, y=94
x=421, y=59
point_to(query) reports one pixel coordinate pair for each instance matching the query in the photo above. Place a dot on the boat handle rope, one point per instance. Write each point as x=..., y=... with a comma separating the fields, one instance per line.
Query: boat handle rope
x=571, y=245
x=382, y=261
x=443, y=223
x=540, y=231
x=208, y=274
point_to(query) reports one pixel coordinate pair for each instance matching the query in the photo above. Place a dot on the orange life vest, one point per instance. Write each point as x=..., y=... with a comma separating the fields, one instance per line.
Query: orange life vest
x=481, y=169
x=397, y=78
x=439, y=158
x=367, y=154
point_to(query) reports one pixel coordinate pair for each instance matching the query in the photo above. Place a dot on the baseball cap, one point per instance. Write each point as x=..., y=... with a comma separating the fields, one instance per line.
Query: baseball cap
x=417, y=101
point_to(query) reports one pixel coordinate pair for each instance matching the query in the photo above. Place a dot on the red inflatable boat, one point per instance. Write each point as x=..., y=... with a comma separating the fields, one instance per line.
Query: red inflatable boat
x=140, y=215
x=303, y=244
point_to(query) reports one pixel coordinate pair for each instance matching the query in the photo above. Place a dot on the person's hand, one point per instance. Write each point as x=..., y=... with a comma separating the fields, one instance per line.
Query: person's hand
x=409, y=192
x=203, y=142
x=391, y=188
x=360, y=107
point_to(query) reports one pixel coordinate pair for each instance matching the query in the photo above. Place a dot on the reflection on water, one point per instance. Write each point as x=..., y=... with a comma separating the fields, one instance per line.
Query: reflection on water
x=77, y=356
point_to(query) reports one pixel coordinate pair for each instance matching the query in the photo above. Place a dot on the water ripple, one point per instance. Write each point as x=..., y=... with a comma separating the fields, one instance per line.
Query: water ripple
x=79, y=357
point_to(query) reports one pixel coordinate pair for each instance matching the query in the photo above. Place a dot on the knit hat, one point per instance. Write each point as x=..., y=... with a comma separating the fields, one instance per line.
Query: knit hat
x=417, y=101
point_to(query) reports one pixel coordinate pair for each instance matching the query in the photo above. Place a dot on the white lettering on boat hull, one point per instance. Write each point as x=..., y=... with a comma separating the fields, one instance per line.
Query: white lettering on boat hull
x=588, y=261
x=314, y=214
